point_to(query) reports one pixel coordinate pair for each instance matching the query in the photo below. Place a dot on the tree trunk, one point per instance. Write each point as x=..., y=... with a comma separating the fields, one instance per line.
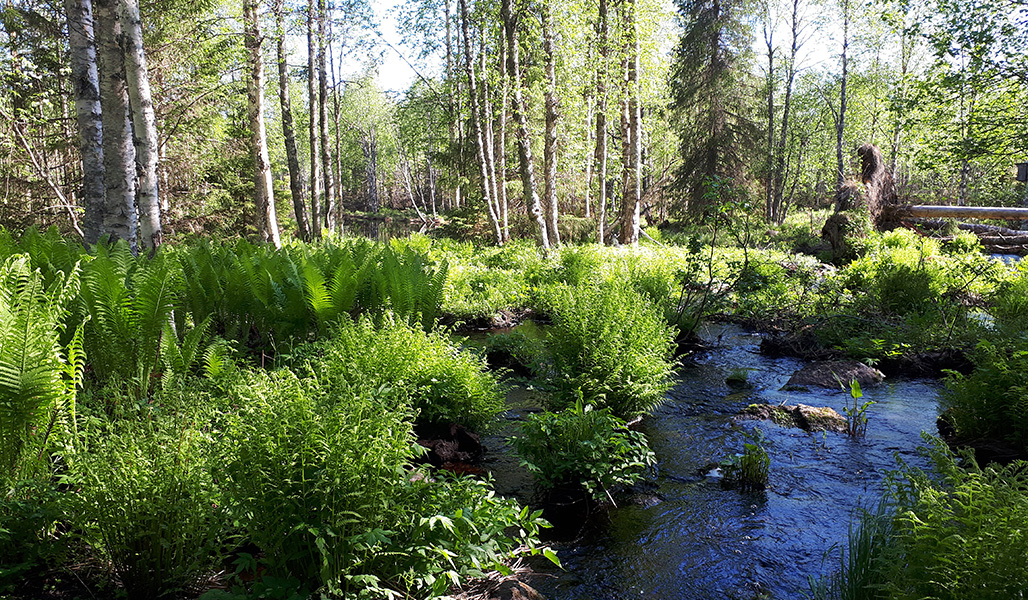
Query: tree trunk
x=328, y=213
x=630, y=205
x=86, y=88
x=520, y=111
x=264, y=197
x=119, y=219
x=486, y=103
x=840, y=125
x=450, y=95
x=338, y=158
x=500, y=153
x=288, y=130
x=602, y=27
x=144, y=123
x=552, y=116
x=312, y=124
x=476, y=122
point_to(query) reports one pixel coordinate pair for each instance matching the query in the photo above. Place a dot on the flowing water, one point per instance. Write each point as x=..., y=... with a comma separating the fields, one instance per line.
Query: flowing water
x=683, y=536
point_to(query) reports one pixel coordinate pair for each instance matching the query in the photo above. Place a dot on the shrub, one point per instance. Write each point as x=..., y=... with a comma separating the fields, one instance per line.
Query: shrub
x=150, y=502
x=443, y=383
x=311, y=472
x=992, y=401
x=610, y=345
x=321, y=477
x=582, y=446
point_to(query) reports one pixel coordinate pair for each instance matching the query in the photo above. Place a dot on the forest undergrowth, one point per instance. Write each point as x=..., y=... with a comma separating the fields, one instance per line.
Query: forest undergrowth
x=255, y=410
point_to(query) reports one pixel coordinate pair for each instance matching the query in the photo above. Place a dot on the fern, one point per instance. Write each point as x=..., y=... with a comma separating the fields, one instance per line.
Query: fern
x=38, y=378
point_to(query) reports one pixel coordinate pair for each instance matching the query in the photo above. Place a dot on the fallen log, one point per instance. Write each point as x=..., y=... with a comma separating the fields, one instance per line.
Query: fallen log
x=1004, y=240
x=896, y=212
x=980, y=229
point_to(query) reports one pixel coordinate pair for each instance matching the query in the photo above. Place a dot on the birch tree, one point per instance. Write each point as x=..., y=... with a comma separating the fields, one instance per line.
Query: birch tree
x=119, y=219
x=85, y=81
x=288, y=130
x=264, y=197
x=144, y=126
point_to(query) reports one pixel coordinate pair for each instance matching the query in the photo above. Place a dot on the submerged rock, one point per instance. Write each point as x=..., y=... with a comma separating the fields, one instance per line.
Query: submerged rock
x=807, y=418
x=834, y=375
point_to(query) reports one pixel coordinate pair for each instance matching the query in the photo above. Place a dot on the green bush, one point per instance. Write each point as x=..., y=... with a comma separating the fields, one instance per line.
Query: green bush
x=149, y=502
x=611, y=346
x=582, y=446
x=38, y=375
x=442, y=382
x=321, y=478
x=991, y=402
x=310, y=473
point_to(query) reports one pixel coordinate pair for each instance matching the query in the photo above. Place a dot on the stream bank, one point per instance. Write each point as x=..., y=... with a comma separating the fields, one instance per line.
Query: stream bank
x=682, y=535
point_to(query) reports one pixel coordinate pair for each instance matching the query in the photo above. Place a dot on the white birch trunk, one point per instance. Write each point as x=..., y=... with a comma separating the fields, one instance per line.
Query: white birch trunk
x=264, y=197
x=85, y=83
x=144, y=126
x=119, y=219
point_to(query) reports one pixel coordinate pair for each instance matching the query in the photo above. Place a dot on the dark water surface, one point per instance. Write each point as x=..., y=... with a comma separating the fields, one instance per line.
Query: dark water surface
x=685, y=537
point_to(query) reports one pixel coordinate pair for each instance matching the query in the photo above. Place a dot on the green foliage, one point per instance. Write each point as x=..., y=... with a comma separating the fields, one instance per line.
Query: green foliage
x=748, y=471
x=149, y=501
x=516, y=350
x=1010, y=300
x=311, y=473
x=38, y=377
x=129, y=303
x=991, y=402
x=957, y=533
x=31, y=515
x=443, y=383
x=611, y=346
x=320, y=477
x=856, y=413
x=582, y=446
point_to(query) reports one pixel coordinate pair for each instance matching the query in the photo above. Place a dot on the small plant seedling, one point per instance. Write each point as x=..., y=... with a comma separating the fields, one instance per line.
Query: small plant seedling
x=856, y=413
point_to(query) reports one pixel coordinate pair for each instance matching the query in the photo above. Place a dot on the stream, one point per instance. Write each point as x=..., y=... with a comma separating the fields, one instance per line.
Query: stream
x=683, y=536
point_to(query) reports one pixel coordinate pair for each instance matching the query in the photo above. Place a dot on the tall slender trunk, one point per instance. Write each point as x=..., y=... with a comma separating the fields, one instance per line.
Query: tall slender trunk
x=630, y=204
x=264, y=197
x=486, y=103
x=144, y=124
x=769, y=157
x=518, y=107
x=86, y=88
x=453, y=113
x=312, y=125
x=781, y=166
x=476, y=122
x=288, y=130
x=552, y=116
x=501, y=140
x=840, y=124
x=327, y=208
x=119, y=155
x=338, y=158
x=602, y=26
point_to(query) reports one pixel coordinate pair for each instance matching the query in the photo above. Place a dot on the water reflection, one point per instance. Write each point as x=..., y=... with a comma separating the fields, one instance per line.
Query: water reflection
x=381, y=230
